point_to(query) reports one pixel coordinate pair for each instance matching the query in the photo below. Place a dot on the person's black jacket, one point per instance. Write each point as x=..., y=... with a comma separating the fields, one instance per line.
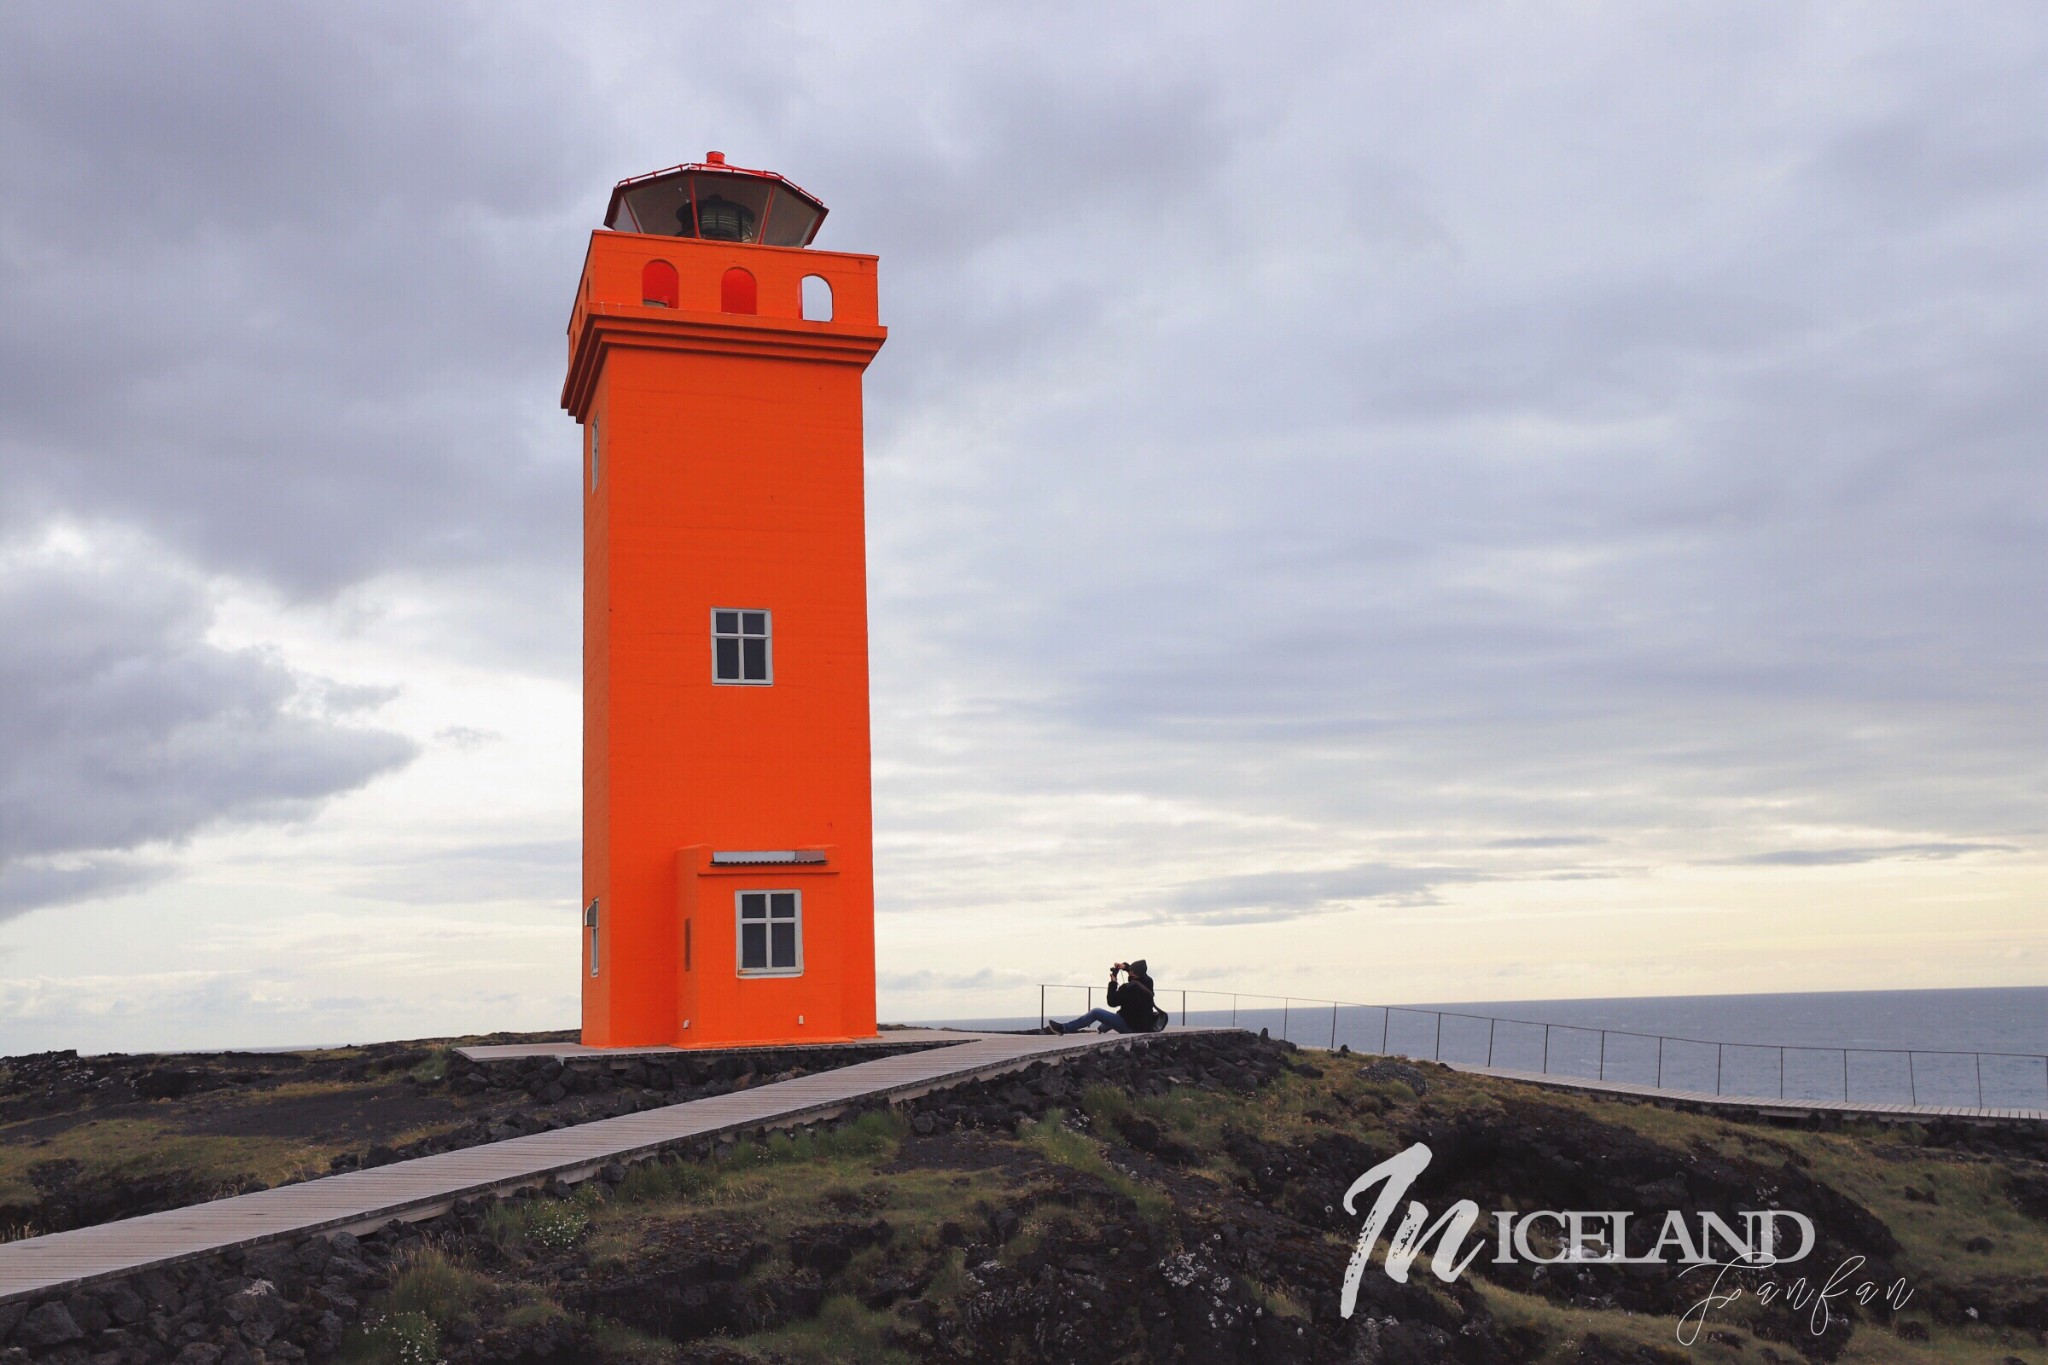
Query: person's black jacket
x=1132, y=999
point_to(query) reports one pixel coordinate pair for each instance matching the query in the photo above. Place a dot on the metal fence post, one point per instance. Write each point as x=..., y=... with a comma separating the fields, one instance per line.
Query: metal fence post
x=1781, y=1073
x=1183, y=1009
x=1912, y=1083
x=1286, y=1008
x=1978, y=1058
x=1660, y=1061
x=1489, y=1040
x=1233, y=1010
x=1041, y=1006
x=1387, y=1022
x=1546, y=1049
x=1845, y=1075
x=1717, y=1067
x=1603, y=1054
x=1436, y=1052
x=1333, y=1026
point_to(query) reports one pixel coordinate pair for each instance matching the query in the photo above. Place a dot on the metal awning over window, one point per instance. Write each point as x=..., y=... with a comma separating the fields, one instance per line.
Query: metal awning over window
x=764, y=857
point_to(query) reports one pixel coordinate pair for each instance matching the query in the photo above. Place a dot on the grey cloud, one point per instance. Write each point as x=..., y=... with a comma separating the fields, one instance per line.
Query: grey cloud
x=124, y=728
x=1271, y=897
x=328, y=697
x=1840, y=857
x=34, y=884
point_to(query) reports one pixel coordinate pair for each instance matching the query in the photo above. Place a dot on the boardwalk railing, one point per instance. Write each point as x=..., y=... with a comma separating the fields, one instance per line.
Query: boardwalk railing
x=1786, y=1071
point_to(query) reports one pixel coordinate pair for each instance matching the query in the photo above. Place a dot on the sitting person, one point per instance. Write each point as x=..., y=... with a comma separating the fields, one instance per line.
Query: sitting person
x=1134, y=1012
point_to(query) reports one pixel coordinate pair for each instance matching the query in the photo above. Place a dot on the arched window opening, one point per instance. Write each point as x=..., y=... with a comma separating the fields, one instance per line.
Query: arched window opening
x=658, y=287
x=817, y=299
x=737, y=292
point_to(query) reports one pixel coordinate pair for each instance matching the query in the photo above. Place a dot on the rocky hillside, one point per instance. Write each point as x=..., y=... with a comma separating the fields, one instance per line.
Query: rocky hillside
x=1178, y=1201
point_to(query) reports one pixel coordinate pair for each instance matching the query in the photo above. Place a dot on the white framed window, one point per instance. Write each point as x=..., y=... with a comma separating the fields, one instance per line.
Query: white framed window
x=771, y=936
x=590, y=924
x=742, y=646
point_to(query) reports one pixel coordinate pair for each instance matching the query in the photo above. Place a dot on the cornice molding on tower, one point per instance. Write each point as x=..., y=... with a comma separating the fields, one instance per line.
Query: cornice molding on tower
x=605, y=327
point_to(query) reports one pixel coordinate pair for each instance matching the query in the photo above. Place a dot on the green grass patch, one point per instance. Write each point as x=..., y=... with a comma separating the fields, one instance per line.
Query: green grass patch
x=427, y=1282
x=1105, y=1103
x=392, y=1339
x=871, y=1135
x=1052, y=1139
x=621, y=1343
x=548, y=1225
x=532, y=1309
x=126, y=1149
x=843, y=1331
x=429, y=1293
x=665, y=1181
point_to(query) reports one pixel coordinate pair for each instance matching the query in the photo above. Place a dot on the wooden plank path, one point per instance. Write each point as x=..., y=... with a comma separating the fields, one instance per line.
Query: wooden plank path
x=1766, y=1105
x=359, y=1201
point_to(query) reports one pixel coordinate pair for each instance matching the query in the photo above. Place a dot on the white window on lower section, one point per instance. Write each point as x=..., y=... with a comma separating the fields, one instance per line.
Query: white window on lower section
x=590, y=924
x=771, y=933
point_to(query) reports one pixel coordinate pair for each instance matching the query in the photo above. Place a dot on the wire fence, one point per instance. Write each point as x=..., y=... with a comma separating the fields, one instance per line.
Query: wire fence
x=1786, y=1071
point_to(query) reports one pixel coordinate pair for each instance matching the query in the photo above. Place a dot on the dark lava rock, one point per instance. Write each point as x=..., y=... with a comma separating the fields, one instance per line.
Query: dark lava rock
x=827, y=1247
x=165, y=1083
x=1387, y=1069
x=2030, y=1193
x=49, y=1324
x=1148, y=1137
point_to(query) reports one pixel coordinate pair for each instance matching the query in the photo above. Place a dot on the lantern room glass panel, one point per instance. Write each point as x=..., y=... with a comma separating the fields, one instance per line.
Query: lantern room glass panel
x=730, y=208
x=791, y=221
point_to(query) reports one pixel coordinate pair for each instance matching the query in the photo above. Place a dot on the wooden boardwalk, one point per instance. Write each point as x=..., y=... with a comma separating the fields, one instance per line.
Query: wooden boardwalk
x=360, y=1201
x=1767, y=1106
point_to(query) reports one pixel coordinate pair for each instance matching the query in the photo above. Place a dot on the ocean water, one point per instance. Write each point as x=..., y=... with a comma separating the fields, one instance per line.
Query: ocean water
x=1927, y=1047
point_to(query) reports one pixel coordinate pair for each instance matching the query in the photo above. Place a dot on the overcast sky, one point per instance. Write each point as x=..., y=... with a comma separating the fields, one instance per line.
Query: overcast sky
x=1397, y=503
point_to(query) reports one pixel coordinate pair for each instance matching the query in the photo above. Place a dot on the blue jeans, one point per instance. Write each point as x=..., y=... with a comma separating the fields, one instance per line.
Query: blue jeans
x=1111, y=1021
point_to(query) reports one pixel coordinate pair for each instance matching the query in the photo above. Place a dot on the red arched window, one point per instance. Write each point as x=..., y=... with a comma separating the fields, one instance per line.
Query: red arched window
x=737, y=292
x=658, y=287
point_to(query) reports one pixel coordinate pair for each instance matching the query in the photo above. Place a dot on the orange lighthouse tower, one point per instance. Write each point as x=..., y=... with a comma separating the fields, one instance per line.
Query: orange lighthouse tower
x=715, y=367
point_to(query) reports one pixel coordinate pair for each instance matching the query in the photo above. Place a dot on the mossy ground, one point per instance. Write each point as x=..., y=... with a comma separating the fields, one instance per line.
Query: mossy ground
x=1074, y=1168
x=83, y=1140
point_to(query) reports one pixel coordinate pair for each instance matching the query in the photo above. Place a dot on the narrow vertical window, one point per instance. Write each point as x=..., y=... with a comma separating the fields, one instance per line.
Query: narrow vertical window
x=741, y=646
x=817, y=299
x=595, y=432
x=686, y=945
x=771, y=933
x=590, y=924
